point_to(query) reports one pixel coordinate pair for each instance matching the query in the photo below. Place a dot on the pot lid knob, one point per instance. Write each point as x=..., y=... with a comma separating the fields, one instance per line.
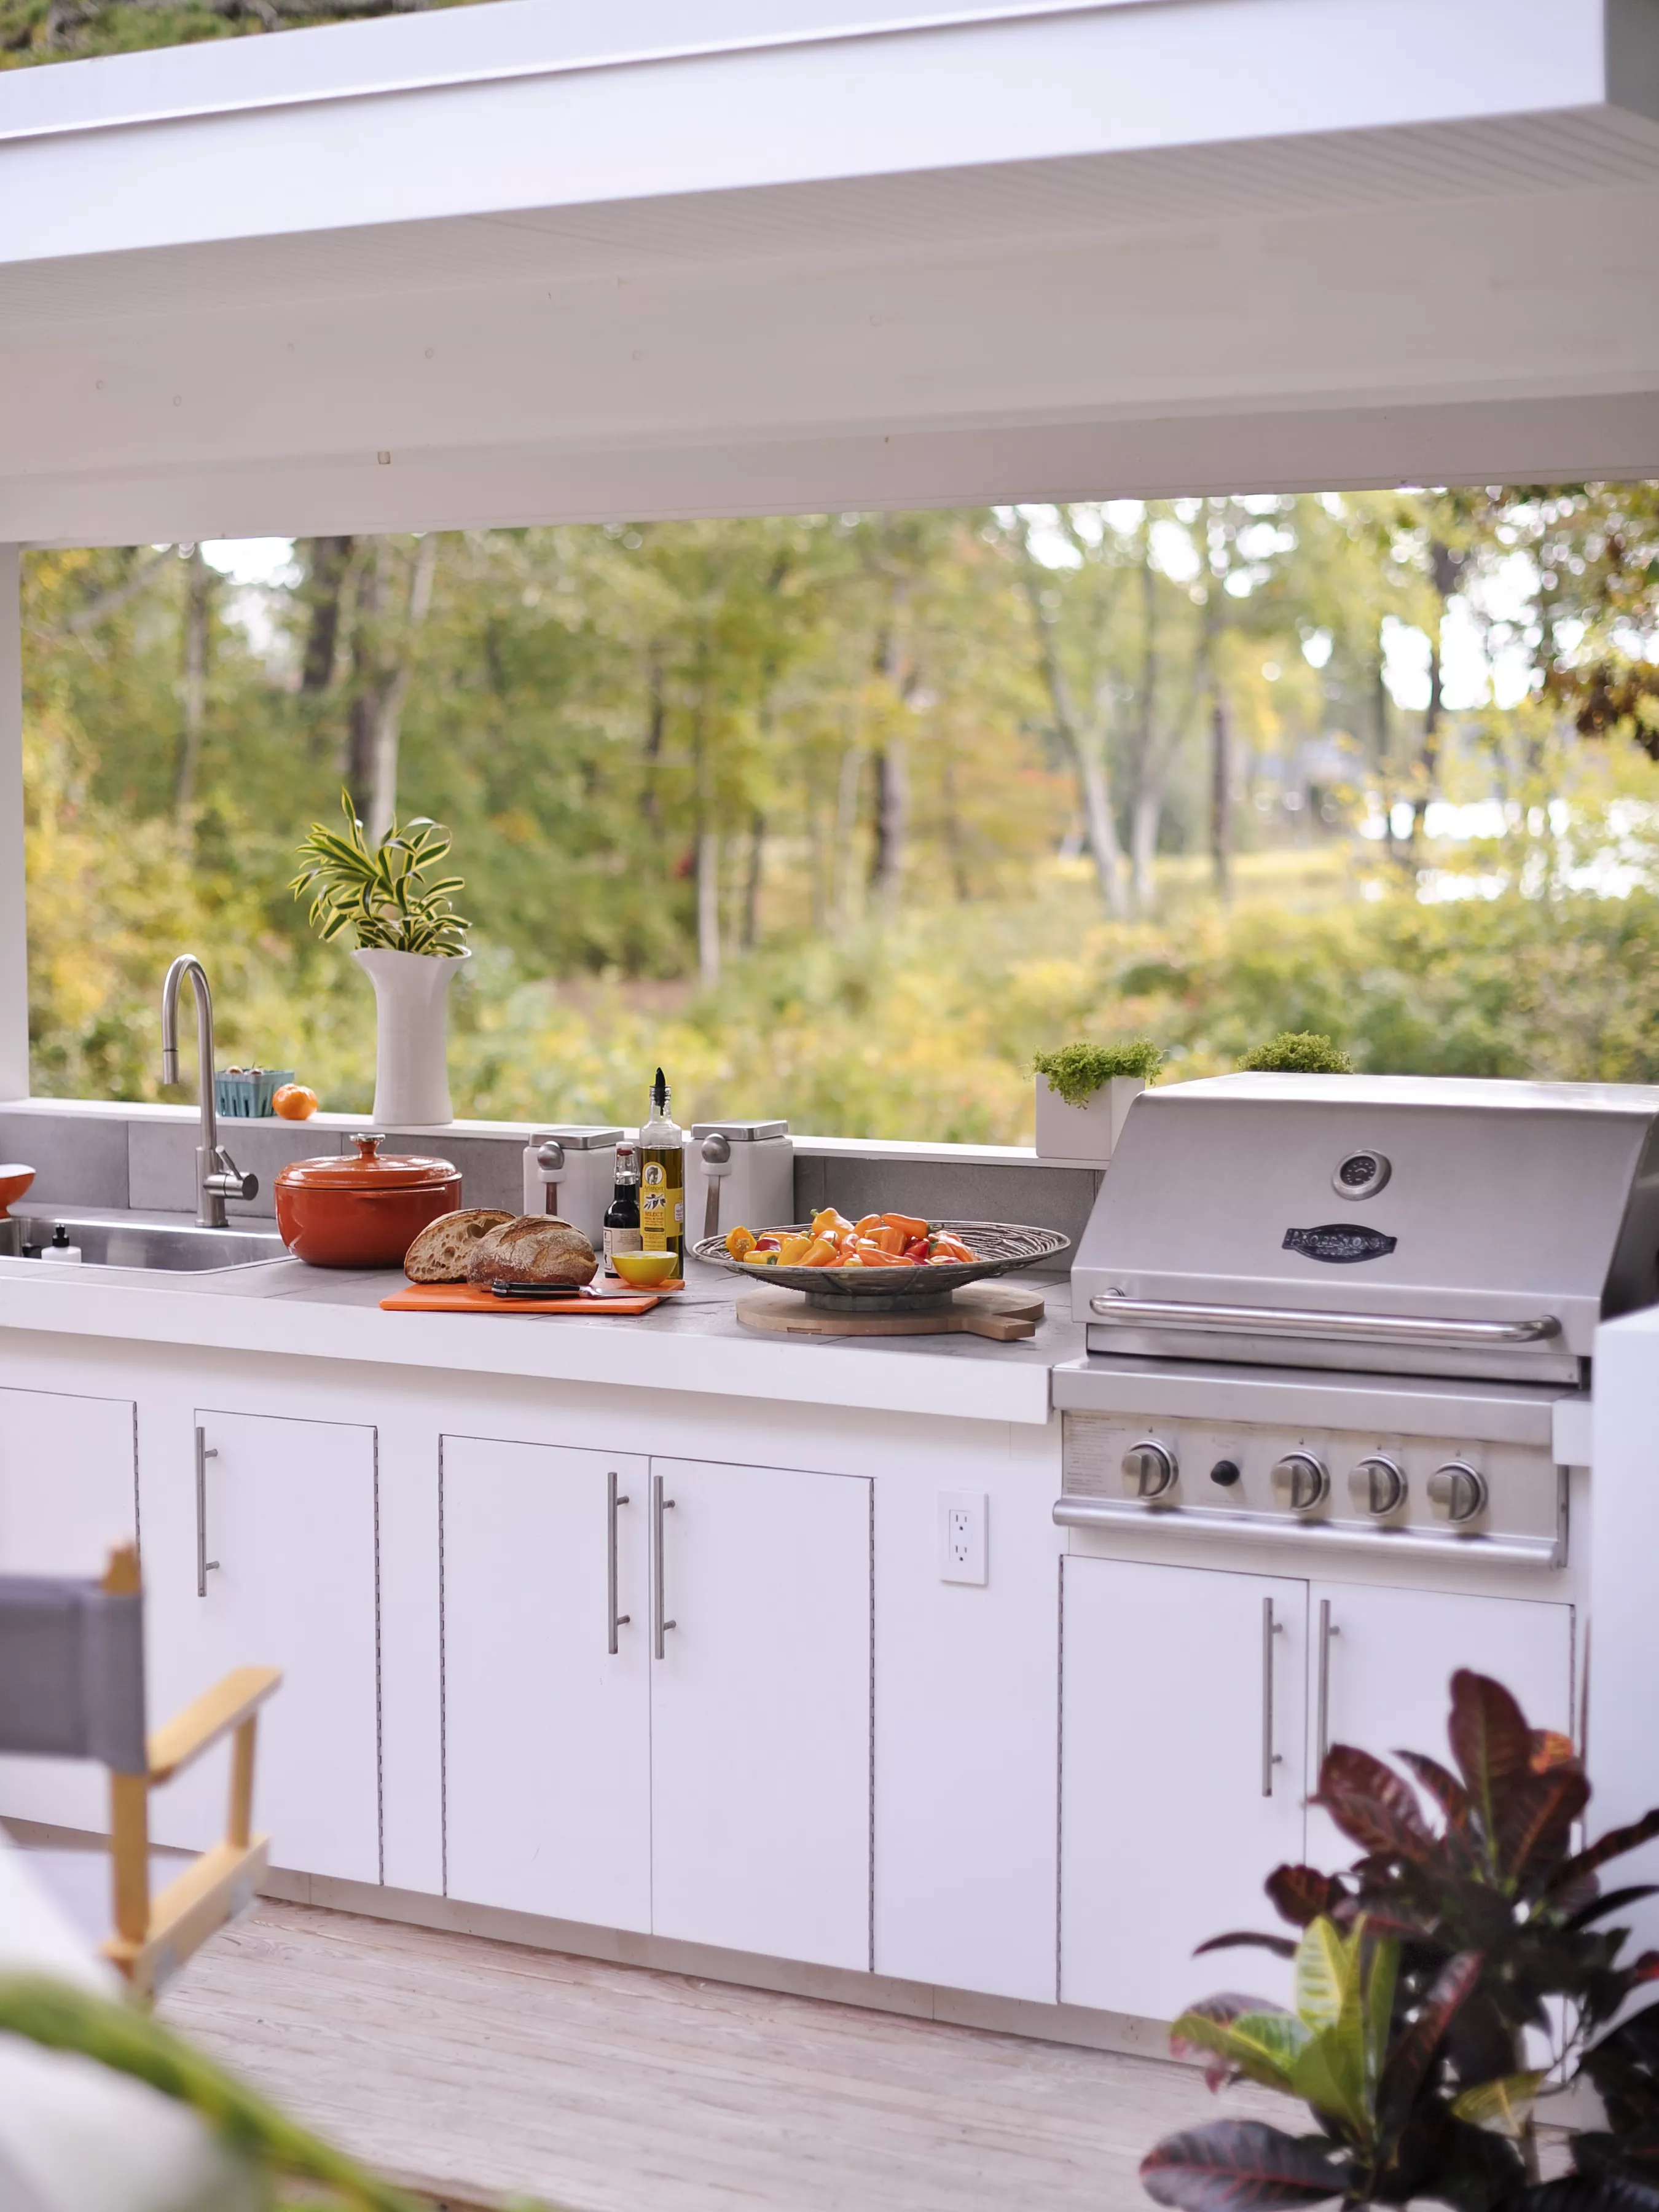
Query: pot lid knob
x=367, y=1141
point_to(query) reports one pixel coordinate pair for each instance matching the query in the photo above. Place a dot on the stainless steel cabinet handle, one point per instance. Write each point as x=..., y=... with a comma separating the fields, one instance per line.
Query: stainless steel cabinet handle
x=1327, y=1628
x=1342, y=1328
x=1270, y=1758
x=612, y=1500
x=204, y=1566
x=659, y=1626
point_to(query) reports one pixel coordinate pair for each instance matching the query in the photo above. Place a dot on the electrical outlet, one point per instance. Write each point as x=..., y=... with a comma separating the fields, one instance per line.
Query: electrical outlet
x=962, y=1547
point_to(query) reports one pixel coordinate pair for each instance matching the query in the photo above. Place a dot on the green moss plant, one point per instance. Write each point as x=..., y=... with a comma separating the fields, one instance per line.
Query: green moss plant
x=1076, y=1071
x=1294, y=1052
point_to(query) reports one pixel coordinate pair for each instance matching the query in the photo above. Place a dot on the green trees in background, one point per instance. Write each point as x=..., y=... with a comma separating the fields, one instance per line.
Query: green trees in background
x=848, y=815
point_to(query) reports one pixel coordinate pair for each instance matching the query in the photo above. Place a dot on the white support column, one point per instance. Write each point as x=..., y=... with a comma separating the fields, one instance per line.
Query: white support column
x=13, y=921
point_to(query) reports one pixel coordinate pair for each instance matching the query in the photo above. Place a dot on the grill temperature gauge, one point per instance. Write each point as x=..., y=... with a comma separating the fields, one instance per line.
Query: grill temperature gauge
x=1149, y=1469
x=1300, y=1482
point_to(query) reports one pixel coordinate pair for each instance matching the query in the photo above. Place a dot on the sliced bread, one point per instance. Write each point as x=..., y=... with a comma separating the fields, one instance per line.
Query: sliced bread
x=440, y=1252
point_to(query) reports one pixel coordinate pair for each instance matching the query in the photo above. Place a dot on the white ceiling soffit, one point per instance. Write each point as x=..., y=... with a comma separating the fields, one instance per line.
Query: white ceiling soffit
x=820, y=259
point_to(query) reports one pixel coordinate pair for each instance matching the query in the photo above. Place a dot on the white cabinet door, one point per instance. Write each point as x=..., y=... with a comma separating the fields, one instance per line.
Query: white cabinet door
x=760, y=1713
x=1182, y=1780
x=289, y=1519
x=69, y=1494
x=547, y=1731
x=1387, y=1664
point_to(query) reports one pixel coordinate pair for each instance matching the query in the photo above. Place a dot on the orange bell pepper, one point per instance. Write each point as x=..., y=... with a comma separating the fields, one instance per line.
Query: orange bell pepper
x=820, y=1253
x=872, y=1255
x=867, y=1225
x=888, y=1238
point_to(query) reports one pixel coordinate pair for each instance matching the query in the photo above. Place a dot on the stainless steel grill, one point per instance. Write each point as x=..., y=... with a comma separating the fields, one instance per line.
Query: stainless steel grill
x=1342, y=1309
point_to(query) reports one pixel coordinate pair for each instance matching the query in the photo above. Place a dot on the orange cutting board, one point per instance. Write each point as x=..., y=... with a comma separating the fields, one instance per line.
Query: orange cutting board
x=469, y=1297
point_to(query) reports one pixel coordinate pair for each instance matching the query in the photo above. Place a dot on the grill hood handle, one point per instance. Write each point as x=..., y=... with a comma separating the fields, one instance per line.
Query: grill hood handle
x=1338, y=1328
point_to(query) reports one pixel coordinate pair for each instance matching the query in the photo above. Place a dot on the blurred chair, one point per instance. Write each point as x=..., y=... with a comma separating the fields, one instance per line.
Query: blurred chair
x=72, y=1687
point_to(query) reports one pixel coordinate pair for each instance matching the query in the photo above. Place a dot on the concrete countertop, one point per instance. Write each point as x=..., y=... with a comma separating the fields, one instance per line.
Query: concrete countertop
x=692, y=1340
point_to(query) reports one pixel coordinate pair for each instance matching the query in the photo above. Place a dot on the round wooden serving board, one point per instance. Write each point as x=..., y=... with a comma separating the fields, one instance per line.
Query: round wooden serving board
x=992, y=1309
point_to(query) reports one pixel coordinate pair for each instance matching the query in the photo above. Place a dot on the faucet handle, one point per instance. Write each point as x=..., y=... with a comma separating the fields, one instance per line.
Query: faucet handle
x=227, y=1179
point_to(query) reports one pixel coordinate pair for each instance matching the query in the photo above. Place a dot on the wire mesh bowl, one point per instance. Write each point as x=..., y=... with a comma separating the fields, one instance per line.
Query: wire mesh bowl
x=1003, y=1247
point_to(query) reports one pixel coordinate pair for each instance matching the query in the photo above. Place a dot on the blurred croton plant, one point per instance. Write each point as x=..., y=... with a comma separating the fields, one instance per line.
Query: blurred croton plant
x=1464, y=1967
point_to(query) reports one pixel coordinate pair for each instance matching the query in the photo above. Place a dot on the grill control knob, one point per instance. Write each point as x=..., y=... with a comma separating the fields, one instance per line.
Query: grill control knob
x=1149, y=1469
x=1378, y=1487
x=1456, y=1492
x=1300, y=1482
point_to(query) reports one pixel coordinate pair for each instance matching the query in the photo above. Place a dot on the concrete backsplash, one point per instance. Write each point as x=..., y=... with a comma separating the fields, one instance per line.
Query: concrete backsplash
x=91, y=1156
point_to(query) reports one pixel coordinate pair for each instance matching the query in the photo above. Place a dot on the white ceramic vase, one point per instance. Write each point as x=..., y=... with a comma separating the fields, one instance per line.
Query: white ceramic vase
x=1083, y=1136
x=411, y=1036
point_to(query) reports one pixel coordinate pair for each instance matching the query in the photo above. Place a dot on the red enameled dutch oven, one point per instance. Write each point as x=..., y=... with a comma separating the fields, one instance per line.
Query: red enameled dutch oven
x=361, y=1210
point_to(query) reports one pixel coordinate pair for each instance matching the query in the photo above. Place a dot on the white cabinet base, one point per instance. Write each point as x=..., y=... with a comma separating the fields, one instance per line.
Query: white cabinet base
x=1182, y=1780
x=761, y=1713
x=290, y=1519
x=547, y=1731
x=69, y=1494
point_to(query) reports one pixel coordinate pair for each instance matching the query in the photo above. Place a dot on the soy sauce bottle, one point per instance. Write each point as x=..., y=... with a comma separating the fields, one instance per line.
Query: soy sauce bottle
x=622, y=1216
x=662, y=1180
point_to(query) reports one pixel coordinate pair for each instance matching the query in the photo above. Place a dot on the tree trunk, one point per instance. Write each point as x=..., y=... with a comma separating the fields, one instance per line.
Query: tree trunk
x=821, y=857
x=193, y=689
x=847, y=817
x=656, y=725
x=892, y=792
x=892, y=820
x=1221, y=793
x=709, y=906
x=327, y=562
x=1445, y=567
x=394, y=688
x=1103, y=842
x=1148, y=804
x=1086, y=742
x=1143, y=848
x=363, y=713
x=752, y=887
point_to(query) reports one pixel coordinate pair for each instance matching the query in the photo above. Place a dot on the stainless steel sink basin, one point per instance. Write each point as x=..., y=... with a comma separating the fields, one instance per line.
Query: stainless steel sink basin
x=180, y=1249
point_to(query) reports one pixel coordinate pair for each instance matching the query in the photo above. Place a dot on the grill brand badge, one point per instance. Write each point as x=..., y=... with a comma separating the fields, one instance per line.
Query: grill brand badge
x=1340, y=1243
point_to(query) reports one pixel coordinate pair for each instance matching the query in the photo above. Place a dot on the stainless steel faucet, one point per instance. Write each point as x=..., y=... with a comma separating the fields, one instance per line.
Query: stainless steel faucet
x=217, y=1177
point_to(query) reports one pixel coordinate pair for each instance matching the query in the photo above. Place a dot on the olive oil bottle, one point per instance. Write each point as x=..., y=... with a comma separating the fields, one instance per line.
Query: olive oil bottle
x=662, y=1180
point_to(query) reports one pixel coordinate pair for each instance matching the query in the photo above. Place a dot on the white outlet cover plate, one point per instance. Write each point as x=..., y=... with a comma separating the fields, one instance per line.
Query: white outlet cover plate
x=962, y=1550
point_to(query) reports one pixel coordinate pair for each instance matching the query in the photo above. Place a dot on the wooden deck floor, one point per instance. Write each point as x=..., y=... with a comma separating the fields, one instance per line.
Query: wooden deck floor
x=478, y=2069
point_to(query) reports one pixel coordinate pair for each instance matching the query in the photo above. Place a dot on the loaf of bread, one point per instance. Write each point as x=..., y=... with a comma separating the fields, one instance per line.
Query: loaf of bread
x=536, y=1247
x=440, y=1252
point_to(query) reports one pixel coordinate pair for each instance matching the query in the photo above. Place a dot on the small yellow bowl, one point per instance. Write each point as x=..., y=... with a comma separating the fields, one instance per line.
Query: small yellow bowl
x=644, y=1270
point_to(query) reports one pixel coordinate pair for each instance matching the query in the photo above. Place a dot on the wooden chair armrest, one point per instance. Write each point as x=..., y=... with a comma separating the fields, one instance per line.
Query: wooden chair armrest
x=230, y=1702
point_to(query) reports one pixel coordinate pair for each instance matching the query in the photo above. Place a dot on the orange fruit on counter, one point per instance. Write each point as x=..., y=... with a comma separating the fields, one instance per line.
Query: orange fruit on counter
x=295, y=1102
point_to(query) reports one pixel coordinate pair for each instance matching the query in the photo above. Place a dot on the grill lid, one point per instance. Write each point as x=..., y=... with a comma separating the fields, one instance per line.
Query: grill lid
x=1392, y=1223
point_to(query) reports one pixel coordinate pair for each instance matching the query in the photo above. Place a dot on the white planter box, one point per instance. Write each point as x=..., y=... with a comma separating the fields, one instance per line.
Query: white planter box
x=1083, y=1136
